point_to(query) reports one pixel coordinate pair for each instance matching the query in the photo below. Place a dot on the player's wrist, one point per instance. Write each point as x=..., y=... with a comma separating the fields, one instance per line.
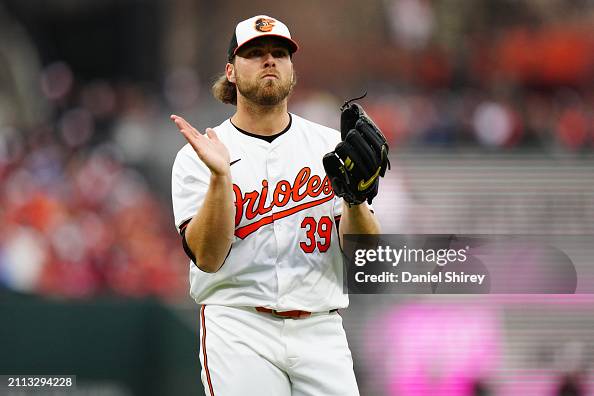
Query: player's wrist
x=221, y=173
x=352, y=206
x=220, y=176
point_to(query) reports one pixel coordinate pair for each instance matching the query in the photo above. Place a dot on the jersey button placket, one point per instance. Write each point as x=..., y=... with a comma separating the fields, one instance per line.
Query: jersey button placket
x=274, y=170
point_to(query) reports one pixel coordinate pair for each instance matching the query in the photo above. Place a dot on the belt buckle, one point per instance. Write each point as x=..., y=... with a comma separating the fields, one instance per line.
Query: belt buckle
x=275, y=313
x=302, y=315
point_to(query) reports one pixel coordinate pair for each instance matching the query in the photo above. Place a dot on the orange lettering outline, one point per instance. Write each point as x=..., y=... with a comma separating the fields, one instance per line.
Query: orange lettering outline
x=244, y=231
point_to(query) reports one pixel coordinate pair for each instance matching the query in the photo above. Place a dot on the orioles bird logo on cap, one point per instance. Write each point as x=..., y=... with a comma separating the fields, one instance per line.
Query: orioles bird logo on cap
x=264, y=24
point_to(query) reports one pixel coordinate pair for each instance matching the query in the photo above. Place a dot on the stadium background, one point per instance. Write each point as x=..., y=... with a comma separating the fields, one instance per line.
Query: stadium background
x=488, y=106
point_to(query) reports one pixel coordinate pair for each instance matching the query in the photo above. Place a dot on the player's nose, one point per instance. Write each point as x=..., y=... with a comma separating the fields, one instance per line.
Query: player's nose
x=268, y=59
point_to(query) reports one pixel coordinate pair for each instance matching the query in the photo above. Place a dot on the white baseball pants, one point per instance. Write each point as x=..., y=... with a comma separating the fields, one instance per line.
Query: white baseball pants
x=244, y=352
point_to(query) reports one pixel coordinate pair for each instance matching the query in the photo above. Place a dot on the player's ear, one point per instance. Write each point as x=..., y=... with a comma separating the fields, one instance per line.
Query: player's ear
x=230, y=72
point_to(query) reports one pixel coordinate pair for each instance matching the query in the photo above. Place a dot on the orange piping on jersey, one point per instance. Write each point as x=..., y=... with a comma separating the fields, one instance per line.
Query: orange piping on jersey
x=204, y=351
x=244, y=231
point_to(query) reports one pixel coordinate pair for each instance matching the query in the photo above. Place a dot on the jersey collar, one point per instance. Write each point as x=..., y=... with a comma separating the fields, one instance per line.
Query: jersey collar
x=269, y=138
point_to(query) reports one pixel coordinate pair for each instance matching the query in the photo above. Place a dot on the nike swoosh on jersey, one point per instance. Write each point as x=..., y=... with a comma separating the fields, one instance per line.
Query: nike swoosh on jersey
x=232, y=162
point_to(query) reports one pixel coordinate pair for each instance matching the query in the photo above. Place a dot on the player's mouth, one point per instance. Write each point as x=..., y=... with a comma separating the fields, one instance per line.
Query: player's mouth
x=269, y=75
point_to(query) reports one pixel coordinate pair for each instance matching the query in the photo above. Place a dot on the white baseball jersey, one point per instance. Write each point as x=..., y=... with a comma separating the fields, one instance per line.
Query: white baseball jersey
x=286, y=253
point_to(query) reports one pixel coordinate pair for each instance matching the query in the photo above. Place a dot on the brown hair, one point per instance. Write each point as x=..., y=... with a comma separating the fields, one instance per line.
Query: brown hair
x=224, y=90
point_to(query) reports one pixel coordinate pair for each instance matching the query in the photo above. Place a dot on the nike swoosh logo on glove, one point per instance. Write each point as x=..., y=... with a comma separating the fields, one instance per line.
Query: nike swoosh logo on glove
x=364, y=185
x=232, y=162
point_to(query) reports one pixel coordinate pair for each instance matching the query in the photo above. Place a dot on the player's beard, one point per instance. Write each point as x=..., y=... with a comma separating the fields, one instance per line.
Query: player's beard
x=265, y=92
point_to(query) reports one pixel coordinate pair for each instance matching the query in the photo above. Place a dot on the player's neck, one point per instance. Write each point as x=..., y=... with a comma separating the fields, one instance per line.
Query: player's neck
x=261, y=120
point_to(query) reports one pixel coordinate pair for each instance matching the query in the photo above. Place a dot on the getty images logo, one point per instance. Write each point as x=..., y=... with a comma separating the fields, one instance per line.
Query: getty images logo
x=405, y=255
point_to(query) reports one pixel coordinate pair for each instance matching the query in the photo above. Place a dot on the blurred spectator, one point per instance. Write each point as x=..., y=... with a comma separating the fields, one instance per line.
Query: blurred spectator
x=496, y=125
x=411, y=22
x=570, y=385
x=480, y=388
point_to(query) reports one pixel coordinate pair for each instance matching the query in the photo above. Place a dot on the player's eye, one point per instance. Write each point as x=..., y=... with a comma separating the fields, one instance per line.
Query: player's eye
x=252, y=53
x=280, y=53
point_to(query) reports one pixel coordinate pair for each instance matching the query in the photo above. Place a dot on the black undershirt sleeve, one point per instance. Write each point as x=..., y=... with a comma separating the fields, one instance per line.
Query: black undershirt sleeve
x=186, y=247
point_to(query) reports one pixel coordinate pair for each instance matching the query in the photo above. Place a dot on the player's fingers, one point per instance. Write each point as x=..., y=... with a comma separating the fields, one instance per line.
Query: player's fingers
x=356, y=140
x=178, y=121
x=195, y=139
x=212, y=134
x=338, y=177
x=182, y=123
x=187, y=125
x=353, y=162
x=371, y=135
x=196, y=144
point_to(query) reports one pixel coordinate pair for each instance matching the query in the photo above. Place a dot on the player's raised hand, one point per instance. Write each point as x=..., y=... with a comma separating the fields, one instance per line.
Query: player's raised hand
x=209, y=148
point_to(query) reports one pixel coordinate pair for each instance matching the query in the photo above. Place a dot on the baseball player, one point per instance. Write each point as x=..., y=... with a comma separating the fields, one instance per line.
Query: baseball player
x=261, y=202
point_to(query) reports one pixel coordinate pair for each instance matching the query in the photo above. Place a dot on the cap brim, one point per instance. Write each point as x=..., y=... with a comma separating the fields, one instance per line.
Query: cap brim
x=292, y=44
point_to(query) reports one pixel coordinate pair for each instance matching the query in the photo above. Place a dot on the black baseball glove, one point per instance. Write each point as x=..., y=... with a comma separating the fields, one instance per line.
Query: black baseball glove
x=354, y=166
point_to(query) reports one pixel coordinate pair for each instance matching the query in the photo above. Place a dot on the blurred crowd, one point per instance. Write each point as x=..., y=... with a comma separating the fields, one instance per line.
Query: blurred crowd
x=76, y=219
x=562, y=121
x=497, y=75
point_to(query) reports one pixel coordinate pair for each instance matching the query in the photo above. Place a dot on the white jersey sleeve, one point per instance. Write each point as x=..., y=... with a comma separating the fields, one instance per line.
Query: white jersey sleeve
x=189, y=183
x=337, y=207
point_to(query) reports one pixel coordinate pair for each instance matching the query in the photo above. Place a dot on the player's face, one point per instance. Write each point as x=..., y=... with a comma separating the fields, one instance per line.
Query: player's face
x=264, y=71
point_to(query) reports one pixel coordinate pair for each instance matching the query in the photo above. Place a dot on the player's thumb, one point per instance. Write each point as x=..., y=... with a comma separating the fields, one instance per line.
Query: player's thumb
x=212, y=134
